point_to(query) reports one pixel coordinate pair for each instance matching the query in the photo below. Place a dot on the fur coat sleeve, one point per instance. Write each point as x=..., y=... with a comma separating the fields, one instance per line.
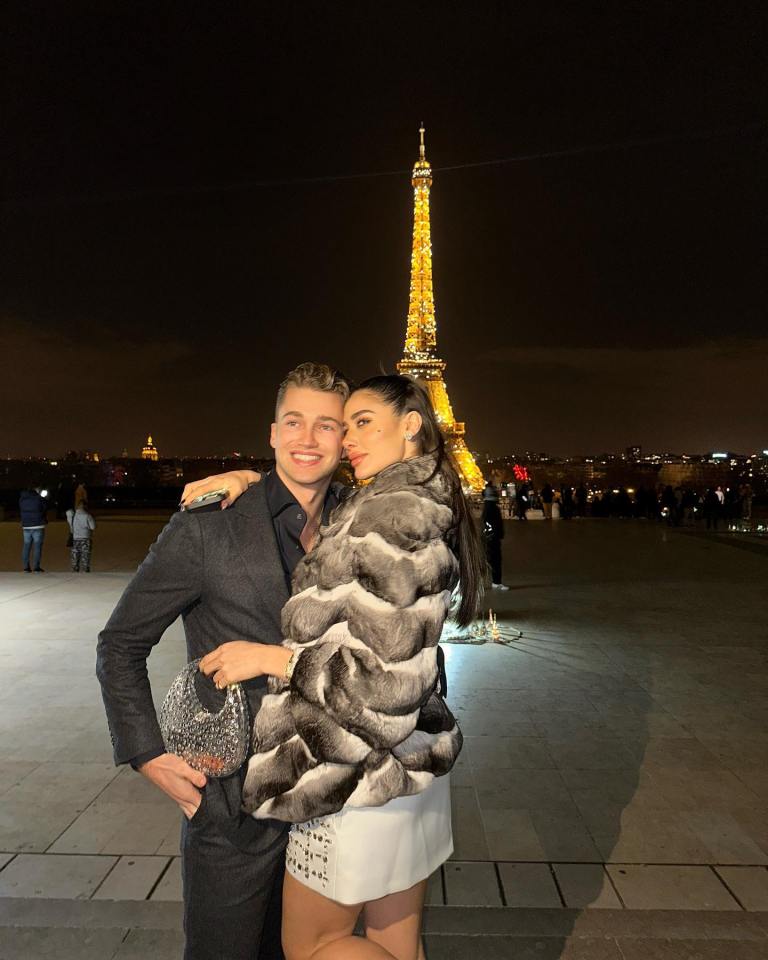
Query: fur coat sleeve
x=361, y=722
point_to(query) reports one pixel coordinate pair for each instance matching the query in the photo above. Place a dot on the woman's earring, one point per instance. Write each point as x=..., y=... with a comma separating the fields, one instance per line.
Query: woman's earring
x=409, y=436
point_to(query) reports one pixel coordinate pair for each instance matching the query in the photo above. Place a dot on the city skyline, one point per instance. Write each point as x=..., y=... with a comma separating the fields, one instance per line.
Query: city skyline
x=193, y=207
x=91, y=453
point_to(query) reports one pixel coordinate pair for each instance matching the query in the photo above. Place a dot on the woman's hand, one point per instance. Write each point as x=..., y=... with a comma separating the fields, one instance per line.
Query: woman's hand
x=236, y=482
x=242, y=660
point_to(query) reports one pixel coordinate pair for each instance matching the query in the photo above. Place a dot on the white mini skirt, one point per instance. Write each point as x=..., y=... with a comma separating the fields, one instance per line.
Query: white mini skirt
x=363, y=853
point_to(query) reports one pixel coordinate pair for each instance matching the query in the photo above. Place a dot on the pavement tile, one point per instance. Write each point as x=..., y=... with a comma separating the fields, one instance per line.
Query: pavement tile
x=564, y=838
x=469, y=841
x=592, y=754
x=529, y=885
x=74, y=783
x=552, y=726
x=643, y=949
x=132, y=878
x=5, y=858
x=518, y=948
x=471, y=884
x=489, y=725
x=586, y=885
x=154, y=944
x=734, y=751
x=56, y=877
x=171, y=843
x=32, y=825
x=169, y=887
x=726, y=838
x=755, y=777
x=435, y=895
x=511, y=835
x=120, y=828
x=718, y=789
x=502, y=789
x=749, y=884
x=35, y=943
x=12, y=772
x=667, y=887
x=516, y=753
x=687, y=753
x=651, y=841
x=607, y=785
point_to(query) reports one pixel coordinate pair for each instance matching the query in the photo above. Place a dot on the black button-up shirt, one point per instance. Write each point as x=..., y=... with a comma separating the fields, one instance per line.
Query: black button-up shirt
x=289, y=518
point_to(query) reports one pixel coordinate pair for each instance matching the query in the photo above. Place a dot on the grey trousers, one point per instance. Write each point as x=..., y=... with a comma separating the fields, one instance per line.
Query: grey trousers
x=232, y=874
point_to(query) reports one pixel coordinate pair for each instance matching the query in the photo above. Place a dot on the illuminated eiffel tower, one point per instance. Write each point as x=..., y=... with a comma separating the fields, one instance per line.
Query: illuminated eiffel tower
x=420, y=358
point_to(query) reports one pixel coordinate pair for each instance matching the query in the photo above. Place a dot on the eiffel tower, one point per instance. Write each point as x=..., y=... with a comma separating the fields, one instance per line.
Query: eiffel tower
x=420, y=358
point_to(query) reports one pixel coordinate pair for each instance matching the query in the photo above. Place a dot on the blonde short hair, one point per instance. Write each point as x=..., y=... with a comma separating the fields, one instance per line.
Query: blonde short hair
x=315, y=376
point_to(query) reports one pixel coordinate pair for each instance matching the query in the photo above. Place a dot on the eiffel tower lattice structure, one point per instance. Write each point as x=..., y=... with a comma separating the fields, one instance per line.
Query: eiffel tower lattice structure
x=420, y=359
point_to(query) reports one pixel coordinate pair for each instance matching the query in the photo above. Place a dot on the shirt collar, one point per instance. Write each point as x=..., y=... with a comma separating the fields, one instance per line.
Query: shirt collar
x=279, y=496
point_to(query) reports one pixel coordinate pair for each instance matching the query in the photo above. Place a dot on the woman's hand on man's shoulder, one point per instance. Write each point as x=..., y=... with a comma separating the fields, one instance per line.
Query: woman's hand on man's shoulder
x=236, y=482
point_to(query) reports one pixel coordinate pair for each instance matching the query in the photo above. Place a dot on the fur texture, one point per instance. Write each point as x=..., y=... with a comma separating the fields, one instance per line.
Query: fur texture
x=361, y=722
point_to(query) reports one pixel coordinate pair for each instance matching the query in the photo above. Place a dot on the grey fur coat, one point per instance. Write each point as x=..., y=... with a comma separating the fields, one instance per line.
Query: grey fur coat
x=361, y=722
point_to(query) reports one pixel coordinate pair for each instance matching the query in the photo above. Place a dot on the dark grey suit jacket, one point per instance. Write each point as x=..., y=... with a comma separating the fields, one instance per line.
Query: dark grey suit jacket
x=221, y=571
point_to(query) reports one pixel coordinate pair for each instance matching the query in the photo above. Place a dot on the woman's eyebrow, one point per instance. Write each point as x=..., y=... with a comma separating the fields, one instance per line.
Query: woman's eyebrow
x=356, y=415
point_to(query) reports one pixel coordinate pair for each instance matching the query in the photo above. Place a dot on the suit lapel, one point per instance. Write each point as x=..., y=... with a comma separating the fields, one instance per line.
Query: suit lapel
x=254, y=536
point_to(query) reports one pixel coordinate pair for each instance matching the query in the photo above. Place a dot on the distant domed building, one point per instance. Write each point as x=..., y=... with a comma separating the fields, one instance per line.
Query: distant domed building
x=149, y=451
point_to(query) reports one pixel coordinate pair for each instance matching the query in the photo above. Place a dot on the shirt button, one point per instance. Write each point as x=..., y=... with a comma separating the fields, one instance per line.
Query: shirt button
x=299, y=516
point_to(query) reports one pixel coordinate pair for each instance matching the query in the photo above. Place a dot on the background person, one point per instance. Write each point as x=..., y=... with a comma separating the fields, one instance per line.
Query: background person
x=81, y=526
x=492, y=527
x=81, y=495
x=32, y=510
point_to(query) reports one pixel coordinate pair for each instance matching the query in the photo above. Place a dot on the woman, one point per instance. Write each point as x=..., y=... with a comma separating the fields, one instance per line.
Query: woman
x=354, y=745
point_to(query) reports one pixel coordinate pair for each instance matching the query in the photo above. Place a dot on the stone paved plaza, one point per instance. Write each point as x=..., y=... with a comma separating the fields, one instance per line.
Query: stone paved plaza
x=611, y=800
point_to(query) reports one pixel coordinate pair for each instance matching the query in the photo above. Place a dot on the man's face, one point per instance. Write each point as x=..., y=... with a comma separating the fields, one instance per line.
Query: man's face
x=307, y=435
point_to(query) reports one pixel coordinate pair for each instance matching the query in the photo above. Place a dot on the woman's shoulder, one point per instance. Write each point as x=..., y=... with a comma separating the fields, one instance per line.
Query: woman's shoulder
x=422, y=475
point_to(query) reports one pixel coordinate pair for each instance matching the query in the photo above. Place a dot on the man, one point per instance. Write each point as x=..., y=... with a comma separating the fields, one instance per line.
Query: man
x=227, y=573
x=32, y=510
x=492, y=526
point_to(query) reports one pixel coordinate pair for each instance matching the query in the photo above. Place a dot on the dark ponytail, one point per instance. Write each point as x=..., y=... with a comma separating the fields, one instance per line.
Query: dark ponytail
x=404, y=394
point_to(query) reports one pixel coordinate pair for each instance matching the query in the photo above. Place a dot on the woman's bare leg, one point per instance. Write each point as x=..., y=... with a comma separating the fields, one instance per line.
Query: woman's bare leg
x=316, y=928
x=394, y=922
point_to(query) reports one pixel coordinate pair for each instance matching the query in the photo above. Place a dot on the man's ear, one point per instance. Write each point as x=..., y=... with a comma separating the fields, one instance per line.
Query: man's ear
x=273, y=435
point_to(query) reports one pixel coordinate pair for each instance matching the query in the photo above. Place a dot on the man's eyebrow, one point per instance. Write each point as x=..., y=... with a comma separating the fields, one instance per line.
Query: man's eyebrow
x=292, y=413
x=356, y=415
x=331, y=419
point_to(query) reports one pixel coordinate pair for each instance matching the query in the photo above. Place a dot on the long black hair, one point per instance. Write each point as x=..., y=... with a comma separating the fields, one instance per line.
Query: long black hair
x=404, y=394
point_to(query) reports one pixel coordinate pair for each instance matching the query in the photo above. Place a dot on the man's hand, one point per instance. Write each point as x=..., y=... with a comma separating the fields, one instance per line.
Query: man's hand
x=175, y=777
x=236, y=482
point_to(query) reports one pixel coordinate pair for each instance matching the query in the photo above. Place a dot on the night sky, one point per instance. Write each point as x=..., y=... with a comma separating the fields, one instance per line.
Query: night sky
x=180, y=225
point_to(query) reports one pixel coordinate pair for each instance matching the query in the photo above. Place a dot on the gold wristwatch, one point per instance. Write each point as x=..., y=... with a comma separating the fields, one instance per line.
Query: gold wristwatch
x=291, y=666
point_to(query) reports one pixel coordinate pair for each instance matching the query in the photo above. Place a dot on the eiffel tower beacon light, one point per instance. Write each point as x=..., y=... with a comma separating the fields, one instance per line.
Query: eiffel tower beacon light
x=420, y=358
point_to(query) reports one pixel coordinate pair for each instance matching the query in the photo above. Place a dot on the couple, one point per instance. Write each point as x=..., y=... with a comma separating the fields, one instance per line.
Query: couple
x=327, y=605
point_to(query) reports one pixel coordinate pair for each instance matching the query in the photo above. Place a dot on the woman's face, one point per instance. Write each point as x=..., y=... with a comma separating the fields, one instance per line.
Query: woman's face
x=374, y=435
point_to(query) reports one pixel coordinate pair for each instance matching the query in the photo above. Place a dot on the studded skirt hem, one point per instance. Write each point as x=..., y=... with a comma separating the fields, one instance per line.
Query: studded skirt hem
x=364, y=853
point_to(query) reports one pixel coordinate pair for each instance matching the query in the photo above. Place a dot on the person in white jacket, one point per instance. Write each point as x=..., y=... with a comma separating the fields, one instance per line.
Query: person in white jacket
x=81, y=526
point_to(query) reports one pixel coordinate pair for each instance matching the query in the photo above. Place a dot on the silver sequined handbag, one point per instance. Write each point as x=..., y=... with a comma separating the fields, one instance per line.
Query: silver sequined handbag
x=216, y=744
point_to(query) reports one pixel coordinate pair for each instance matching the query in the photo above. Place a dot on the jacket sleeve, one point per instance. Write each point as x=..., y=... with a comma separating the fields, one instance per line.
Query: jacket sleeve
x=165, y=585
